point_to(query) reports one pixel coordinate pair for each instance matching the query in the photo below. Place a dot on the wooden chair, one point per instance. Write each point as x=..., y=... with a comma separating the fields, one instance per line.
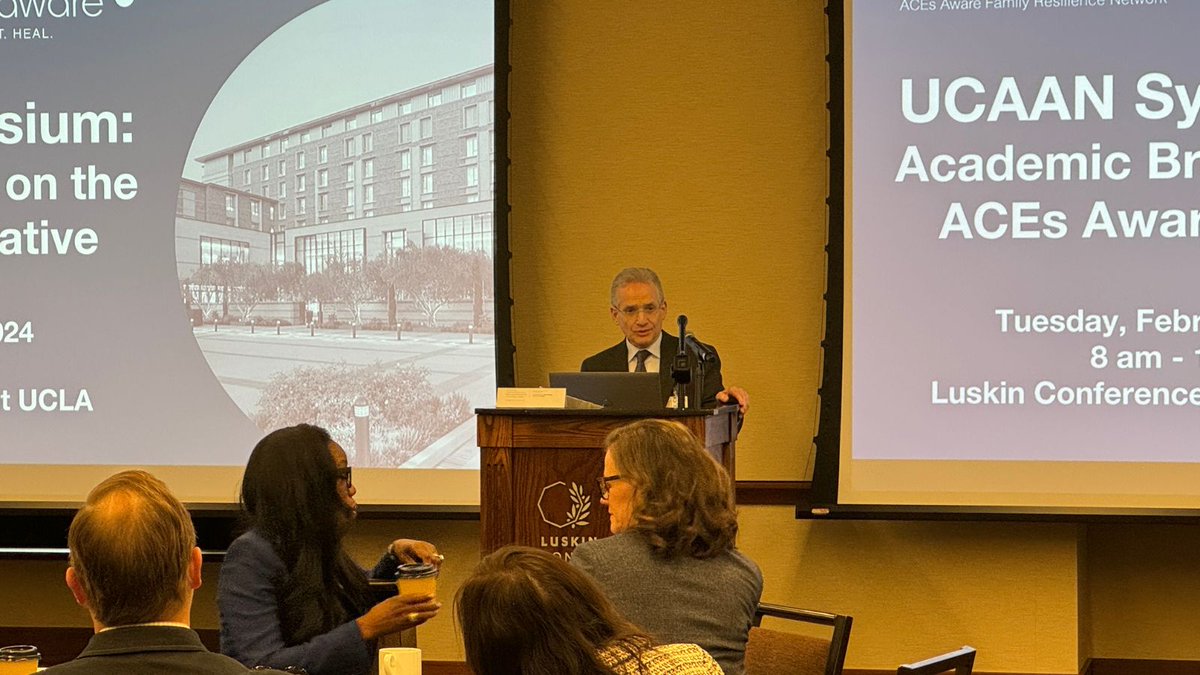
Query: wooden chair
x=960, y=661
x=774, y=652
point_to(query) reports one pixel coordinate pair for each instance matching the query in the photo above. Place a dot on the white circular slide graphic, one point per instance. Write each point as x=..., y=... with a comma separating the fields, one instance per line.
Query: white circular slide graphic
x=123, y=3
x=269, y=309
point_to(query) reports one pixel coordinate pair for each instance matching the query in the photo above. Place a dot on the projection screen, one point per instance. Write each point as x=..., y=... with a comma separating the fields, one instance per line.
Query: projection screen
x=1015, y=243
x=223, y=217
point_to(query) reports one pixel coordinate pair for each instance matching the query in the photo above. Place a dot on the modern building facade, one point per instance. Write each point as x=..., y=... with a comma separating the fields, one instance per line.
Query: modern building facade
x=416, y=168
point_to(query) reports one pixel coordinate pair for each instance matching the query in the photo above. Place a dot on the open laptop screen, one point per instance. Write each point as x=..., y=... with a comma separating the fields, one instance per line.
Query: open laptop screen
x=620, y=391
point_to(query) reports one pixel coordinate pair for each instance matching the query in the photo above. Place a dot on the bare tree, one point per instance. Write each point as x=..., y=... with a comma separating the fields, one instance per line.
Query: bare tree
x=432, y=276
x=244, y=285
x=251, y=284
x=289, y=279
x=209, y=287
x=483, y=285
x=344, y=281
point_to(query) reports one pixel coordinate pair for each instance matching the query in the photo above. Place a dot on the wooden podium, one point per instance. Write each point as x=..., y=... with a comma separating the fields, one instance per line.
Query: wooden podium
x=540, y=468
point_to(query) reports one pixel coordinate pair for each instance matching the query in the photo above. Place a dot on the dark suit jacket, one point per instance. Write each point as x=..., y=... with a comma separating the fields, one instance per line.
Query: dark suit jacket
x=615, y=359
x=149, y=650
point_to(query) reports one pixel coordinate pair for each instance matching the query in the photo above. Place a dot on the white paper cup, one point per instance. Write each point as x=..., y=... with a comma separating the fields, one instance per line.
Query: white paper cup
x=399, y=661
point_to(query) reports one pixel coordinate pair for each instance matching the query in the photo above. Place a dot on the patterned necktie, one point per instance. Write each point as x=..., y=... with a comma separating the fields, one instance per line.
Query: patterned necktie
x=641, y=357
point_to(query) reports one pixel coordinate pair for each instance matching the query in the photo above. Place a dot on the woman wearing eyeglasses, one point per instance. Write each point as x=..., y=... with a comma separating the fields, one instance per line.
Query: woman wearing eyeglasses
x=671, y=566
x=289, y=594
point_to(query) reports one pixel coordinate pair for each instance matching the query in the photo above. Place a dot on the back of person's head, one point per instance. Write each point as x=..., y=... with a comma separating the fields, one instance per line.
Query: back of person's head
x=525, y=612
x=683, y=502
x=635, y=275
x=131, y=546
x=289, y=489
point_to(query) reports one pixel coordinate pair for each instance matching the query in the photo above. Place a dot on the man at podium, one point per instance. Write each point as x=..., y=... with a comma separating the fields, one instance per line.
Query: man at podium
x=638, y=307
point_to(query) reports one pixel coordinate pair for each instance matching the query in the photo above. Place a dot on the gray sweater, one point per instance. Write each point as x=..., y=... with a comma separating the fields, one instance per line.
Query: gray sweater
x=709, y=602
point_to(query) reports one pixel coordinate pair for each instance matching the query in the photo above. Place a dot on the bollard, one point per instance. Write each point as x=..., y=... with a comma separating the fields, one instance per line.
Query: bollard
x=353, y=330
x=312, y=329
x=277, y=326
x=471, y=334
x=252, y=326
x=397, y=332
x=362, y=431
x=214, y=325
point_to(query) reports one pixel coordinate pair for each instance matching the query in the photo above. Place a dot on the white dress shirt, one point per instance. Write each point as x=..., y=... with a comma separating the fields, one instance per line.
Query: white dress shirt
x=652, y=361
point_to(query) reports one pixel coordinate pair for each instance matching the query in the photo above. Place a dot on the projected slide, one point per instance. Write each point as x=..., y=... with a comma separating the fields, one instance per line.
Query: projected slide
x=222, y=217
x=1024, y=232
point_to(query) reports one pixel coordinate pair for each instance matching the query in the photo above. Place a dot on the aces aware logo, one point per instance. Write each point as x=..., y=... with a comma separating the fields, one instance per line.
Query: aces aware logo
x=55, y=9
x=34, y=10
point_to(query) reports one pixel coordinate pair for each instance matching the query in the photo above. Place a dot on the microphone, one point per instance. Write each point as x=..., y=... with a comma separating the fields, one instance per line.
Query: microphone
x=703, y=351
x=681, y=372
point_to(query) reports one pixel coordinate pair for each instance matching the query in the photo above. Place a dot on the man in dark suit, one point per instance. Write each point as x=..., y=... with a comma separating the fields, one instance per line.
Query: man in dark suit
x=134, y=566
x=639, y=308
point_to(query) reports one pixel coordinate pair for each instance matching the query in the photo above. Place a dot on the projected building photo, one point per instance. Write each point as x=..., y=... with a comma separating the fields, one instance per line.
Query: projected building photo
x=339, y=271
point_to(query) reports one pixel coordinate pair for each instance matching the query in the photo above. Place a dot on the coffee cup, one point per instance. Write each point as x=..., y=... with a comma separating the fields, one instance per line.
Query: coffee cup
x=399, y=661
x=417, y=579
x=19, y=660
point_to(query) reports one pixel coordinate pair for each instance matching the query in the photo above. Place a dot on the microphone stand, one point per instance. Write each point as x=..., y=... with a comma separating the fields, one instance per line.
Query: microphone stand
x=704, y=354
x=680, y=368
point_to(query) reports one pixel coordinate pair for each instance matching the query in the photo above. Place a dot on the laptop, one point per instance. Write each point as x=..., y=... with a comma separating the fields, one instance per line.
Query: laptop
x=616, y=391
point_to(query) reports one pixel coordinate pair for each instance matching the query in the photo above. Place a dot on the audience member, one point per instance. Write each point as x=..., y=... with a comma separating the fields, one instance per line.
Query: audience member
x=134, y=565
x=289, y=592
x=671, y=566
x=525, y=612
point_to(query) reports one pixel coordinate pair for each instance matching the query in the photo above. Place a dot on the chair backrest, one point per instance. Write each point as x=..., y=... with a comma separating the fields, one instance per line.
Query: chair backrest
x=778, y=653
x=959, y=661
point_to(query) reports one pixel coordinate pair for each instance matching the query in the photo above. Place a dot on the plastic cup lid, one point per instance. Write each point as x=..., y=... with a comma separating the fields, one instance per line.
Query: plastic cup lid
x=19, y=653
x=415, y=571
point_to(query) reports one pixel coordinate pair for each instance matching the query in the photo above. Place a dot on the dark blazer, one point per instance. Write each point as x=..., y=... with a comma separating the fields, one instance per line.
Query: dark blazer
x=248, y=601
x=615, y=359
x=149, y=650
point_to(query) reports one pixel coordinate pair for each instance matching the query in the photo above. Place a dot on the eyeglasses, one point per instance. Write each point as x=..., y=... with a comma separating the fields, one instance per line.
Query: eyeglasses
x=630, y=313
x=603, y=482
x=344, y=473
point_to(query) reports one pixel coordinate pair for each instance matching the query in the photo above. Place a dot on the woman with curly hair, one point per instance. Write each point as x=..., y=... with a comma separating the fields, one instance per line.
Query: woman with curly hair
x=525, y=612
x=671, y=566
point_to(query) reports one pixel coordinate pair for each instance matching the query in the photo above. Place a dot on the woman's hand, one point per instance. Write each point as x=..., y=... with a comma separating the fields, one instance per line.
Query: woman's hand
x=416, y=551
x=396, y=614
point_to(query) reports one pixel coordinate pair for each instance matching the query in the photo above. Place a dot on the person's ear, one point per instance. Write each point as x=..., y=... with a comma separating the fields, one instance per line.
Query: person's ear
x=76, y=586
x=194, y=568
x=616, y=315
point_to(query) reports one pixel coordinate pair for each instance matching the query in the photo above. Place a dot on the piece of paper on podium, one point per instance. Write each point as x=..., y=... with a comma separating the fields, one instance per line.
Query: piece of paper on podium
x=539, y=397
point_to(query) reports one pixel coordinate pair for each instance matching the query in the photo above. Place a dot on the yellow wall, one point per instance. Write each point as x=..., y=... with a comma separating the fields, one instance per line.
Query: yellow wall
x=690, y=137
x=1144, y=591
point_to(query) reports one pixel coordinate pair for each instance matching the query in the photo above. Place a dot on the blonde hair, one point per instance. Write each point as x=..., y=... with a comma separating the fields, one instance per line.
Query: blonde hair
x=131, y=544
x=683, y=502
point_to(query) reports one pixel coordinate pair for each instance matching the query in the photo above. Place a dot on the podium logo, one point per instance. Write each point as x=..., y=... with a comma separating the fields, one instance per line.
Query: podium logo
x=564, y=507
x=55, y=9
